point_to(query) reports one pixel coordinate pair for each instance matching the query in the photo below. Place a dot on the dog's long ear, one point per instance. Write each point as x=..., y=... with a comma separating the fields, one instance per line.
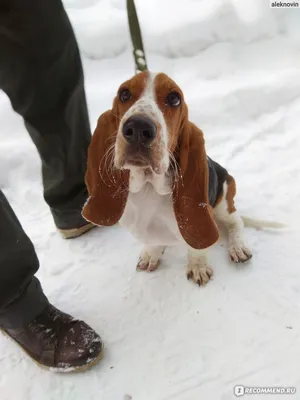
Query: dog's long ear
x=107, y=186
x=193, y=213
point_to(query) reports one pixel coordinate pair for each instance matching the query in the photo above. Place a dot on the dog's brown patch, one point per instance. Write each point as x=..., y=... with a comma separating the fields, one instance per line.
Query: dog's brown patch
x=231, y=192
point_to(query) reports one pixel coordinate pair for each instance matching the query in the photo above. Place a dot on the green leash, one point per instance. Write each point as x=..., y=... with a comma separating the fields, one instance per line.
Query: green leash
x=136, y=38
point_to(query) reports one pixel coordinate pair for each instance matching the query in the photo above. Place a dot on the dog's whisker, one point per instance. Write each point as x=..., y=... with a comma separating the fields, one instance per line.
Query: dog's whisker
x=103, y=163
x=109, y=164
x=117, y=116
x=173, y=166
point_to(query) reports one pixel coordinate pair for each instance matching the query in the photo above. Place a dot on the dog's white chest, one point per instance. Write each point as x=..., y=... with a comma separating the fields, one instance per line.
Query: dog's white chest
x=150, y=218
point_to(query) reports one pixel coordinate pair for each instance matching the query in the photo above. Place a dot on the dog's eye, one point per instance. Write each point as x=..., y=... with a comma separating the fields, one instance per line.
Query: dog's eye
x=173, y=99
x=124, y=95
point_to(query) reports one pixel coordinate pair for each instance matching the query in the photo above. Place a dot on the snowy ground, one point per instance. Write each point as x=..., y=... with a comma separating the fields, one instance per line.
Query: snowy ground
x=166, y=339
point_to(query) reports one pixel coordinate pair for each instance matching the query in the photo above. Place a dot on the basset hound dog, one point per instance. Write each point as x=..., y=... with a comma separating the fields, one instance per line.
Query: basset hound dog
x=148, y=170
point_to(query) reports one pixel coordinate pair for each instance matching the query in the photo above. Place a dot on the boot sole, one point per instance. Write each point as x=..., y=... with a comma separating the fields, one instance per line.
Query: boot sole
x=75, y=232
x=69, y=370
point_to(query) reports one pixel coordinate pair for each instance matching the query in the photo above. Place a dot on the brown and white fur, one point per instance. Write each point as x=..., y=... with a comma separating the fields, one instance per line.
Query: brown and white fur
x=159, y=193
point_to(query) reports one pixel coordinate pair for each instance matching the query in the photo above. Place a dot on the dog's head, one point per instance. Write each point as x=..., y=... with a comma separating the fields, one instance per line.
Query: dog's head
x=152, y=112
x=148, y=129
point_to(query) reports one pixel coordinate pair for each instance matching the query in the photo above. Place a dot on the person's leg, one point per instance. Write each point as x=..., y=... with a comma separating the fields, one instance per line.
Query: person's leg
x=21, y=295
x=41, y=72
x=52, y=338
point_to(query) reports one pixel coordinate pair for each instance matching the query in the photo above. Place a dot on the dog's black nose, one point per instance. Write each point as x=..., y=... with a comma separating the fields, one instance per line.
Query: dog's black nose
x=139, y=130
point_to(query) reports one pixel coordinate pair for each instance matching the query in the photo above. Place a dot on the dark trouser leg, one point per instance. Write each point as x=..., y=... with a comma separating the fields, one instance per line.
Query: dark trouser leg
x=41, y=72
x=25, y=314
x=21, y=295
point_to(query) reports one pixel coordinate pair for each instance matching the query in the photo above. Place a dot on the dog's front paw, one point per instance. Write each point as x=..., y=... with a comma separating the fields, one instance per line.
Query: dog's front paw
x=150, y=258
x=200, y=273
x=239, y=253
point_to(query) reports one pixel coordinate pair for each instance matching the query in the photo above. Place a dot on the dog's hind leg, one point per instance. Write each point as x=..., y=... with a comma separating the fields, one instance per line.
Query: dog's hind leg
x=226, y=213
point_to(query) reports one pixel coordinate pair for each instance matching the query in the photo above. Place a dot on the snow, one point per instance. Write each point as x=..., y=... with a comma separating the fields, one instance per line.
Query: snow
x=165, y=338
